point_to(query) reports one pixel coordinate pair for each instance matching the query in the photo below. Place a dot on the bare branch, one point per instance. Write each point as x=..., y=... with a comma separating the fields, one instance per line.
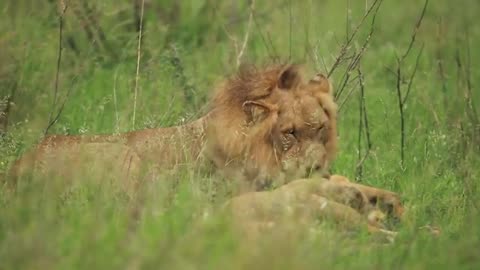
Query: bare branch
x=137, y=72
x=95, y=34
x=86, y=25
x=349, y=94
x=346, y=45
x=402, y=97
x=290, y=30
x=117, y=120
x=356, y=60
x=189, y=90
x=247, y=34
x=63, y=9
x=440, y=67
x=365, y=114
x=363, y=122
x=270, y=49
x=4, y=113
x=357, y=56
x=415, y=31
x=347, y=20
x=410, y=82
x=468, y=79
x=60, y=110
x=92, y=20
x=402, y=117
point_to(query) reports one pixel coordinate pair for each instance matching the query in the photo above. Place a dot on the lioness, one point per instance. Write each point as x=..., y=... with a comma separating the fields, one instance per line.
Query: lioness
x=304, y=201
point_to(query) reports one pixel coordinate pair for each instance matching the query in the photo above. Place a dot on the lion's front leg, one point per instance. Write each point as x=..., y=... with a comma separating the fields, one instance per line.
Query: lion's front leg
x=387, y=201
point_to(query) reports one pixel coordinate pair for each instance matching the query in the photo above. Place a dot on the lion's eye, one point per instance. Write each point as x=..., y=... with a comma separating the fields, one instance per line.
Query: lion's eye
x=290, y=133
x=288, y=139
x=327, y=113
x=322, y=126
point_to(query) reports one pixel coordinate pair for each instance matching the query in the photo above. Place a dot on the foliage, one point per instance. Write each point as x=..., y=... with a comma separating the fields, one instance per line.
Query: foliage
x=188, y=46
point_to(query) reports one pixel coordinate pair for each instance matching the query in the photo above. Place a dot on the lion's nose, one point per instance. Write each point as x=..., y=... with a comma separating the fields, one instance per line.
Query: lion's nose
x=314, y=169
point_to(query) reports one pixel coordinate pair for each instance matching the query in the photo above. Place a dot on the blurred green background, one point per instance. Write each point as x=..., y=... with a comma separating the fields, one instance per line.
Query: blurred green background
x=187, y=48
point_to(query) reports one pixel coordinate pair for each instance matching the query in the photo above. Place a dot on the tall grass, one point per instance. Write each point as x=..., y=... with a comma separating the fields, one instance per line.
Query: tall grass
x=186, y=48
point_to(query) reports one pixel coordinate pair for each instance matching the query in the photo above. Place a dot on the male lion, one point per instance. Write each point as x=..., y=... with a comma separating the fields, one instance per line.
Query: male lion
x=264, y=125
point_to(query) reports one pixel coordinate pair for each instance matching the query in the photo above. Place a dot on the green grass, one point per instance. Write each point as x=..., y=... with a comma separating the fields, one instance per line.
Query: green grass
x=50, y=224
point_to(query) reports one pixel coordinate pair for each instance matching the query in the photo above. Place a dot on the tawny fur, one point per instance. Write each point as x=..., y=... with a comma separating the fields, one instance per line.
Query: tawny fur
x=305, y=201
x=265, y=125
x=231, y=136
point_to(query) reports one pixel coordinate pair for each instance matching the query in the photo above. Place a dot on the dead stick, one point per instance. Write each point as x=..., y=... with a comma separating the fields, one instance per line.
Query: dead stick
x=344, y=48
x=63, y=7
x=137, y=73
x=402, y=118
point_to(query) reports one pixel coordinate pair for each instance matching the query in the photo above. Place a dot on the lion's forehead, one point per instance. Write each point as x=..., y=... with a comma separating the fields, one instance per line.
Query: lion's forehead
x=303, y=112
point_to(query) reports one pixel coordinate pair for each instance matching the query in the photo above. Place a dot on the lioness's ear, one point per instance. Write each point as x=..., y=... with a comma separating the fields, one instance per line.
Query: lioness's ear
x=256, y=111
x=289, y=77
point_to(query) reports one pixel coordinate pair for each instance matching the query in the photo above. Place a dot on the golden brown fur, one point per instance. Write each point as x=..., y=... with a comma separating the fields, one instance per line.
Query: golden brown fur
x=305, y=201
x=272, y=124
x=264, y=124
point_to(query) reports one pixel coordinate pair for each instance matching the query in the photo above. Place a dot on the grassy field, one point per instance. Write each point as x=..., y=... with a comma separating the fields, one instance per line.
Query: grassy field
x=186, y=49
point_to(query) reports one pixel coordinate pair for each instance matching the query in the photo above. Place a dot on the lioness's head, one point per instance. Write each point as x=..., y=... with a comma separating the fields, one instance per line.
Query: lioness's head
x=271, y=124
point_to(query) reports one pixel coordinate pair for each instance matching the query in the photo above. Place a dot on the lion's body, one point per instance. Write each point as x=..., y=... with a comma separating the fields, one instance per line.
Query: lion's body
x=155, y=149
x=245, y=135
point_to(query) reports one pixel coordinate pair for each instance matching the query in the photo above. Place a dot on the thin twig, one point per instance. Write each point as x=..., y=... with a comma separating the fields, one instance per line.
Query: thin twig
x=4, y=112
x=290, y=31
x=365, y=114
x=62, y=106
x=86, y=25
x=359, y=166
x=356, y=60
x=137, y=73
x=270, y=51
x=402, y=98
x=357, y=56
x=117, y=121
x=468, y=79
x=189, y=90
x=415, y=31
x=412, y=76
x=344, y=83
x=346, y=45
x=349, y=94
x=402, y=118
x=63, y=9
x=247, y=34
x=440, y=59
x=363, y=125
x=95, y=25
x=347, y=20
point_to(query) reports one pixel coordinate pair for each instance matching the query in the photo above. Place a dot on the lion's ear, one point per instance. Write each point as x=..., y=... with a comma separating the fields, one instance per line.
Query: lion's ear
x=289, y=77
x=256, y=111
x=321, y=83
